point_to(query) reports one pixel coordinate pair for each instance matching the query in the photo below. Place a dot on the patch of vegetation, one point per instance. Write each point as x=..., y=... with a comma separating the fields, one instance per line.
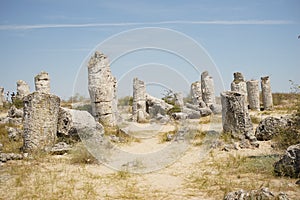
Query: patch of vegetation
x=226, y=137
x=198, y=137
x=18, y=103
x=80, y=155
x=125, y=101
x=205, y=120
x=9, y=146
x=175, y=109
x=86, y=107
x=255, y=120
x=124, y=137
x=165, y=136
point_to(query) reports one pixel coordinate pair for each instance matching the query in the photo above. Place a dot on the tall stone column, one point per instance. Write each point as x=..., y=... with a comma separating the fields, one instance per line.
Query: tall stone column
x=179, y=99
x=266, y=93
x=42, y=82
x=239, y=85
x=208, y=89
x=139, y=101
x=235, y=116
x=253, y=94
x=40, y=121
x=22, y=89
x=196, y=94
x=102, y=89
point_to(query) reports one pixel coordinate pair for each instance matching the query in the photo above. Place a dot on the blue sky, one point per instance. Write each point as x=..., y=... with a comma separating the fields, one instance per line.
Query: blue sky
x=256, y=37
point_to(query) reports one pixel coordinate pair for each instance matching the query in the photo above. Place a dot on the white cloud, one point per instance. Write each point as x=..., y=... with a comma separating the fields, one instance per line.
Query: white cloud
x=87, y=25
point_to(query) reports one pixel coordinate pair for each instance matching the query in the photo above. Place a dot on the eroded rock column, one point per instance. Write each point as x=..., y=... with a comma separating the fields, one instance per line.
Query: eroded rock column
x=139, y=101
x=22, y=89
x=196, y=94
x=40, y=121
x=208, y=89
x=253, y=94
x=239, y=85
x=179, y=100
x=102, y=89
x=266, y=93
x=235, y=116
x=42, y=82
x=2, y=97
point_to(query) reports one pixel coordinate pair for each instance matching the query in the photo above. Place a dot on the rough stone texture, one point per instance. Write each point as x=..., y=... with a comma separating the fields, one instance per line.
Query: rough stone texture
x=70, y=122
x=253, y=94
x=239, y=85
x=2, y=96
x=42, y=82
x=191, y=113
x=261, y=194
x=208, y=90
x=266, y=93
x=139, y=101
x=155, y=106
x=289, y=164
x=196, y=94
x=14, y=112
x=22, y=89
x=180, y=116
x=205, y=111
x=40, y=121
x=269, y=127
x=179, y=100
x=4, y=157
x=235, y=116
x=60, y=148
x=102, y=89
x=13, y=133
x=216, y=108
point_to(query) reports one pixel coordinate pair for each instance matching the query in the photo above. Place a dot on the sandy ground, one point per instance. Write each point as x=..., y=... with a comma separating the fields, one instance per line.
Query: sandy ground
x=198, y=173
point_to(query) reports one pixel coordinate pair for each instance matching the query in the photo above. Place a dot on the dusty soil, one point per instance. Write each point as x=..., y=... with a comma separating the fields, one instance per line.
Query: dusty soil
x=197, y=174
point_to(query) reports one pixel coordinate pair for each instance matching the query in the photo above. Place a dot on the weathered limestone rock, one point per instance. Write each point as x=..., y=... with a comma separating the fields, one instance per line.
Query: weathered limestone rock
x=139, y=101
x=178, y=99
x=2, y=97
x=42, y=82
x=239, y=85
x=266, y=93
x=269, y=127
x=155, y=106
x=70, y=122
x=253, y=94
x=208, y=90
x=22, y=89
x=14, y=112
x=4, y=157
x=289, y=164
x=191, y=113
x=102, y=89
x=40, y=121
x=235, y=116
x=263, y=193
x=196, y=94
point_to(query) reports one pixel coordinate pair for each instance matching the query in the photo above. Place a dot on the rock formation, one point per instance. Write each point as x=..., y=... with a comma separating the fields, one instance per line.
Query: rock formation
x=263, y=193
x=179, y=99
x=2, y=97
x=22, y=89
x=208, y=90
x=40, y=121
x=139, y=101
x=70, y=122
x=196, y=94
x=253, y=94
x=269, y=127
x=235, y=116
x=266, y=93
x=155, y=106
x=289, y=164
x=42, y=82
x=239, y=85
x=102, y=89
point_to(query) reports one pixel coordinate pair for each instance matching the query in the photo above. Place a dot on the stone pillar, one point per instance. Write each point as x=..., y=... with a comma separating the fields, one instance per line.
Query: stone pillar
x=235, y=116
x=102, y=89
x=42, y=82
x=196, y=94
x=139, y=101
x=22, y=89
x=239, y=85
x=208, y=90
x=253, y=94
x=266, y=93
x=2, y=96
x=179, y=99
x=40, y=121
